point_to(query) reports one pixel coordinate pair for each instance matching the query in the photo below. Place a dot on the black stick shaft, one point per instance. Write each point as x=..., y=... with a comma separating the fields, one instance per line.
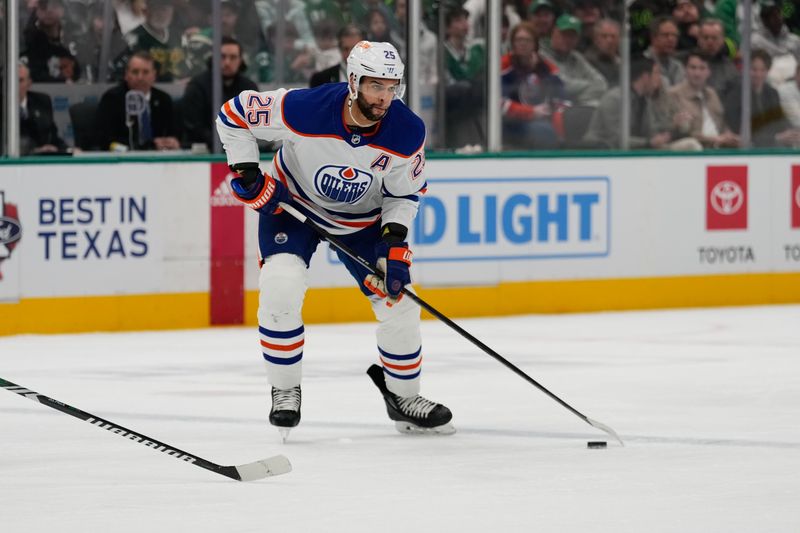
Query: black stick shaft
x=130, y=434
x=432, y=310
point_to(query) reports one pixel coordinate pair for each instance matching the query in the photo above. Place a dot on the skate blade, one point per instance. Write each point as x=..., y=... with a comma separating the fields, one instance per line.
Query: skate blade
x=412, y=429
x=284, y=434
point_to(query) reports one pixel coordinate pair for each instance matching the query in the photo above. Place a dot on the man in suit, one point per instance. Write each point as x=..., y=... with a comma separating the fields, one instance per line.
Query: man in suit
x=123, y=118
x=37, y=130
x=348, y=37
x=198, y=111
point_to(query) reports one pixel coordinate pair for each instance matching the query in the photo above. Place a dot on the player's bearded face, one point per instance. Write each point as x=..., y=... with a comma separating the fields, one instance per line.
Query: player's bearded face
x=373, y=112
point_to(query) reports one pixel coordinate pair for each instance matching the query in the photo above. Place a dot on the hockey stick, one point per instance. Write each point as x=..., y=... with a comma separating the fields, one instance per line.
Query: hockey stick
x=432, y=310
x=272, y=466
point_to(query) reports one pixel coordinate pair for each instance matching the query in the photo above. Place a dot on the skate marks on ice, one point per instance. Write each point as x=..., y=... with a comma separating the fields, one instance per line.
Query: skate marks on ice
x=325, y=431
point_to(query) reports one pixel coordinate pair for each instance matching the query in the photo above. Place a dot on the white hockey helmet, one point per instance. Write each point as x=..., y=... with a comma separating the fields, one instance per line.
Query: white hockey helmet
x=376, y=60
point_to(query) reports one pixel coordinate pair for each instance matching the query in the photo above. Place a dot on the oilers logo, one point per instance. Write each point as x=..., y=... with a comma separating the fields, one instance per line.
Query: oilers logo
x=342, y=184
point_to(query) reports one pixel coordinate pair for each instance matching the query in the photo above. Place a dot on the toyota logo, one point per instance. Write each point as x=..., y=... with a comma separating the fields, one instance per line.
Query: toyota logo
x=727, y=197
x=797, y=196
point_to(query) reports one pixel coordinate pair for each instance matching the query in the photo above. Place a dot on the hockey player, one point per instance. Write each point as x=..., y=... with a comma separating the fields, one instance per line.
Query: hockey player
x=352, y=161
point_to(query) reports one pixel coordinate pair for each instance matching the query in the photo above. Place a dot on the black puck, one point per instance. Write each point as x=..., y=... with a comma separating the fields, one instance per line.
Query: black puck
x=596, y=444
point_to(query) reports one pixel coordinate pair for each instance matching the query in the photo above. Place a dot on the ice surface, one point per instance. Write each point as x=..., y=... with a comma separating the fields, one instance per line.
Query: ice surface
x=707, y=401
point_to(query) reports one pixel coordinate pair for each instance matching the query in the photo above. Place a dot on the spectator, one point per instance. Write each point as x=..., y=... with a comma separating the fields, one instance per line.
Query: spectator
x=769, y=126
x=663, y=44
x=327, y=53
x=427, y=44
x=189, y=16
x=154, y=128
x=464, y=65
x=38, y=133
x=197, y=47
x=76, y=28
x=297, y=62
x=157, y=38
x=130, y=14
x=378, y=26
x=612, y=9
x=724, y=74
x=477, y=16
x=237, y=23
x=730, y=13
x=398, y=18
x=348, y=36
x=649, y=127
x=583, y=84
x=698, y=109
x=197, y=106
x=88, y=46
x=358, y=11
x=589, y=12
x=542, y=15
x=229, y=19
x=774, y=37
x=533, y=94
x=274, y=12
x=46, y=55
x=332, y=11
x=790, y=98
x=687, y=15
x=603, y=55
x=642, y=13
x=464, y=59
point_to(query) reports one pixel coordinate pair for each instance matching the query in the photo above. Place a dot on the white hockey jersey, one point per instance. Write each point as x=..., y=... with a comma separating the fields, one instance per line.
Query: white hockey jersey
x=341, y=179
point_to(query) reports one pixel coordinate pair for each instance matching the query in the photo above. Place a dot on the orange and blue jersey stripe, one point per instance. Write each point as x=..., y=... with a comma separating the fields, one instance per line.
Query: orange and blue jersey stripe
x=228, y=117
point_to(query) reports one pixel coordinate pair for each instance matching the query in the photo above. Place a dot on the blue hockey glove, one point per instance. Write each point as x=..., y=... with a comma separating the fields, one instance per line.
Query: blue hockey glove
x=257, y=190
x=394, y=260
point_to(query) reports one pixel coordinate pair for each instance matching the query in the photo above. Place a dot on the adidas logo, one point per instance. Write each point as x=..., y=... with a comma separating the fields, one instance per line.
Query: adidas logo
x=222, y=197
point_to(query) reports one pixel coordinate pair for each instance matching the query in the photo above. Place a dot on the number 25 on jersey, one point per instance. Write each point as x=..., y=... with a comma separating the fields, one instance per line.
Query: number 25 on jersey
x=258, y=111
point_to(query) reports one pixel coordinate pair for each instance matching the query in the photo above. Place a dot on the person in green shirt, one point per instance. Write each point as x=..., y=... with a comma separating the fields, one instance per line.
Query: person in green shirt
x=157, y=37
x=730, y=13
x=464, y=58
x=464, y=94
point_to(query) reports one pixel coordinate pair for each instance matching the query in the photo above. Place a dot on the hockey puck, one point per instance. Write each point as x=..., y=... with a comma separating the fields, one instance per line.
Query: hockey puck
x=596, y=444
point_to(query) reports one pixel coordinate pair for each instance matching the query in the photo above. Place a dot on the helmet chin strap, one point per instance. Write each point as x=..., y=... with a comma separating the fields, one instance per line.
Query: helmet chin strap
x=353, y=118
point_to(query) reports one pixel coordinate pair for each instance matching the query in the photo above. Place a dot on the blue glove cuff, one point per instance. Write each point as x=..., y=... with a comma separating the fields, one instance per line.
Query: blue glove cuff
x=247, y=193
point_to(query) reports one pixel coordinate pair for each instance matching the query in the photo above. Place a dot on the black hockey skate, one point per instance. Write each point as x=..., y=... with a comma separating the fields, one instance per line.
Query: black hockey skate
x=413, y=414
x=285, y=412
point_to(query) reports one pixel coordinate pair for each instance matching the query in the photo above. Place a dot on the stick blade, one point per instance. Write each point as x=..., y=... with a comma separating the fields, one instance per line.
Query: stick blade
x=607, y=429
x=272, y=466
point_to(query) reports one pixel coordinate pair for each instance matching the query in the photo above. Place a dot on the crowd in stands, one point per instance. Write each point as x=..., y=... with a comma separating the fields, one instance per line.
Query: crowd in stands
x=560, y=67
